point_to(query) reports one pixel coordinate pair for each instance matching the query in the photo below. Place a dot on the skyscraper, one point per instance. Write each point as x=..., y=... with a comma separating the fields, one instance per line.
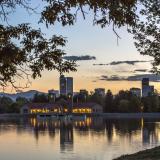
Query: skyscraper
x=66, y=85
x=146, y=88
x=69, y=85
x=145, y=82
x=63, y=85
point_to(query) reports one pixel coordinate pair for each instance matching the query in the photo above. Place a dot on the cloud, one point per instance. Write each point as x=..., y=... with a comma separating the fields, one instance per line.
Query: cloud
x=100, y=64
x=121, y=62
x=140, y=70
x=152, y=78
x=80, y=58
x=111, y=78
x=126, y=62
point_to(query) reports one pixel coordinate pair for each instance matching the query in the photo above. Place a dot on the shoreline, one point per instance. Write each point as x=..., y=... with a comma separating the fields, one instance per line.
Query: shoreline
x=103, y=115
x=148, y=154
x=130, y=115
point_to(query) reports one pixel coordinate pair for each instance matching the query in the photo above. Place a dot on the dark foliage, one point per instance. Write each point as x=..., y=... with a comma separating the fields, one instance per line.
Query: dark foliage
x=35, y=53
x=8, y=106
x=40, y=98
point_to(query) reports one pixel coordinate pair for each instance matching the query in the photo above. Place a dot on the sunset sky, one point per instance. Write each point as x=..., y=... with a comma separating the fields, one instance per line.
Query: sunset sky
x=86, y=39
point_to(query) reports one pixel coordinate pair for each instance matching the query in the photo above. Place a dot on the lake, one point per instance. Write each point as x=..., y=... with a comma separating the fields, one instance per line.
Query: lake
x=89, y=139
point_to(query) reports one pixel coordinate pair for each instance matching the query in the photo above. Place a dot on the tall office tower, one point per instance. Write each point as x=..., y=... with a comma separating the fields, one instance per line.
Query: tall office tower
x=145, y=82
x=66, y=85
x=63, y=85
x=146, y=88
x=69, y=85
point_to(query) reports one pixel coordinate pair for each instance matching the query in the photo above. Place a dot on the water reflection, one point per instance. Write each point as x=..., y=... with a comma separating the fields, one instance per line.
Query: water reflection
x=109, y=127
x=114, y=136
x=66, y=136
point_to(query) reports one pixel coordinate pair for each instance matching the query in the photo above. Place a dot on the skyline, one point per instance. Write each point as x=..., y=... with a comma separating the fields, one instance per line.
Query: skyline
x=86, y=39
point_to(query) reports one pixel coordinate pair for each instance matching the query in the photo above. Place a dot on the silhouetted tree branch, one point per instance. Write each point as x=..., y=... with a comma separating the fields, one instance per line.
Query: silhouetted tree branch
x=31, y=55
x=142, y=18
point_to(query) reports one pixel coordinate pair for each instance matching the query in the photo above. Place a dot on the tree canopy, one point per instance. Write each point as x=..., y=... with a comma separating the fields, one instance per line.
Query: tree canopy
x=35, y=53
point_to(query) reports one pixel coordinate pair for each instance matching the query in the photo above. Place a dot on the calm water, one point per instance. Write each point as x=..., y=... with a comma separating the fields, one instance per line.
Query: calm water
x=91, y=139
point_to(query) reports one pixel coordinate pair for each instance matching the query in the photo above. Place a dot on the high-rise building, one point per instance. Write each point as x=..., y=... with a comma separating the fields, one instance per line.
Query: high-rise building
x=66, y=85
x=100, y=91
x=136, y=91
x=146, y=88
x=145, y=82
x=63, y=85
x=69, y=85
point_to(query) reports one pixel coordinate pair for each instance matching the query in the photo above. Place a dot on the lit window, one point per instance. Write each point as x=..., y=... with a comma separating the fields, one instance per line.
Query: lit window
x=75, y=110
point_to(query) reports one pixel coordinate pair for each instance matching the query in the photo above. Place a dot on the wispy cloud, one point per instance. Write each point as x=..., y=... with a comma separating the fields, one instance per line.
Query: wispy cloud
x=112, y=78
x=152, y=77
x=141, y=70
x=121, y=62
x=80, y=58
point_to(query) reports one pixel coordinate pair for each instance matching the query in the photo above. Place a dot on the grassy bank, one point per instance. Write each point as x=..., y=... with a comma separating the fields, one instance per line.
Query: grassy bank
x=149, y=154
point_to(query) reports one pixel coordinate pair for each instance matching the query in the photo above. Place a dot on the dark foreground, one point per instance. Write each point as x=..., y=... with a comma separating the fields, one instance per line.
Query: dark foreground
x=149, y=154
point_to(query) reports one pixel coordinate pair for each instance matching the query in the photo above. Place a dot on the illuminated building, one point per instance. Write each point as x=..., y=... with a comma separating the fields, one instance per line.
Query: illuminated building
x=42, y=108
x=56, y=108
x=87, y=108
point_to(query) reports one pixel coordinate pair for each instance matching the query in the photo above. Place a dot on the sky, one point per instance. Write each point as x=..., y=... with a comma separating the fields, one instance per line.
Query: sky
x=86, y=39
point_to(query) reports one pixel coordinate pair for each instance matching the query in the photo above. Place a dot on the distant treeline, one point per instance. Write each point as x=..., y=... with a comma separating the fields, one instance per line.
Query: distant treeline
x=123, y=102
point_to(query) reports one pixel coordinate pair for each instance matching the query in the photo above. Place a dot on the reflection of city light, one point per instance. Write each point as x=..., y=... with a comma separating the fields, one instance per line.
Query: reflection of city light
x=55, y=110
x=33, y=121
x=142, y=123
x=88, y=121
x=76, y=123
x=65, y=110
